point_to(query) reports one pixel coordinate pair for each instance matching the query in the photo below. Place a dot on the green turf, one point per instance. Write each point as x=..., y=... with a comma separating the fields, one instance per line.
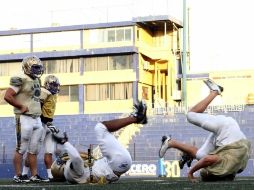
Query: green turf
x=139, y=184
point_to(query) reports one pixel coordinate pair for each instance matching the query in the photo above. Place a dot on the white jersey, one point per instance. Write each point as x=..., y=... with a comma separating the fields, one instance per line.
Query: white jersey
x=28, y=92
x=116, y=159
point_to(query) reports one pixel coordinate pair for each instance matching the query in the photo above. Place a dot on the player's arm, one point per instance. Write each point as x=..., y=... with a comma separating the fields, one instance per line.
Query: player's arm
x=10, y=98
x=202, y=163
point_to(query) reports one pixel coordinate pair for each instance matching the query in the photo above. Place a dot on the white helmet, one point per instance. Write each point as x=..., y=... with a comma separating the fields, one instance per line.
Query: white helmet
x=52, y=84
x=32, y=66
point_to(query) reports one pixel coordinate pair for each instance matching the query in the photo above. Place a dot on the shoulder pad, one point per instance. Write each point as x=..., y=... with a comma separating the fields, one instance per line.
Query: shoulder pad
x=16, y=81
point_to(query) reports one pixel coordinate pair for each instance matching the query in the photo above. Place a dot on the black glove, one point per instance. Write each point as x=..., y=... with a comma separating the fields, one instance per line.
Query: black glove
x=60, y=139
x=52, y=128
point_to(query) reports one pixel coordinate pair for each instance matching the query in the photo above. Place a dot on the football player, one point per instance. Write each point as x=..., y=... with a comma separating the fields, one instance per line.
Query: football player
x=116, y=159
x=24, y=95
x=226, y=150
x=48, y=99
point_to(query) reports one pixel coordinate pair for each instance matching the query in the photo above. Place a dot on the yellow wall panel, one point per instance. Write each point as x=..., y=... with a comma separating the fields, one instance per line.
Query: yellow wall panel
x=4, y=82
x=6, y=110
x=109, y=76
x=112, y=106
x=67, y=108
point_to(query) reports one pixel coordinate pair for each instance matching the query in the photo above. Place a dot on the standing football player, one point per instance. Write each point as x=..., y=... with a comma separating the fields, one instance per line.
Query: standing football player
x=48, y=101
x=24, y=95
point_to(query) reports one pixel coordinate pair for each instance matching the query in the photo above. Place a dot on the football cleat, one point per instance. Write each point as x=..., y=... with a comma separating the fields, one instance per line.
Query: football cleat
x=17, y=179
x=37, y=179
x=164, y=146
x=213, y=86
x=139, y=112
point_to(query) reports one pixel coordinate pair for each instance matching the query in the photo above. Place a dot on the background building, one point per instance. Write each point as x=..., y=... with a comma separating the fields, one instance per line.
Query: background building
x=103, y=68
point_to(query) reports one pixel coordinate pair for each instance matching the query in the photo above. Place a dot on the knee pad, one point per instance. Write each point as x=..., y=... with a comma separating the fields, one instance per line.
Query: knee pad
x=36, y=141
x=121, y=163
x=49, y=144
x=24, y=141
x=190, y=116
x=200, y=154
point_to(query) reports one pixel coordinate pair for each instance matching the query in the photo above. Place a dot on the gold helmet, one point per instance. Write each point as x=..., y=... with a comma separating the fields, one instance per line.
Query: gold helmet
x=57, y=170
x=32, y=66
x=52, y=84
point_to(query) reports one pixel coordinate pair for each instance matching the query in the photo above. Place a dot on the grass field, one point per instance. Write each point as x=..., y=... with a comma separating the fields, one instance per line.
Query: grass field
x=138, y=184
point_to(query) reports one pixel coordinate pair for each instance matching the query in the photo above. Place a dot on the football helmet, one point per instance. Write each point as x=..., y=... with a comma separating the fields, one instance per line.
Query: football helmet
x=57, y=169
x=32, y=66
x=52, y=84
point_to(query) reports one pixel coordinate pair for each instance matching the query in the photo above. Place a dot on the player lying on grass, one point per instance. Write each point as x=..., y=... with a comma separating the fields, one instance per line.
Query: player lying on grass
x=226, y=150
x=116, y=159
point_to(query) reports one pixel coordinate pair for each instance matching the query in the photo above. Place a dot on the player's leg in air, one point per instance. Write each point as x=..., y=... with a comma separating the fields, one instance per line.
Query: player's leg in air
x=214, y=157
x=198, y=118
x=116, y=159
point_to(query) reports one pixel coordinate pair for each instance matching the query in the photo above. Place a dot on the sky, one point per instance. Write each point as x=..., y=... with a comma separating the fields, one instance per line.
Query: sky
x=221, y=31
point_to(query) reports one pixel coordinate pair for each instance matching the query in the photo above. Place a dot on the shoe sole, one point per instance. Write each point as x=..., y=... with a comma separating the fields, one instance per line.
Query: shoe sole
x=209, y=81
x=163, y=141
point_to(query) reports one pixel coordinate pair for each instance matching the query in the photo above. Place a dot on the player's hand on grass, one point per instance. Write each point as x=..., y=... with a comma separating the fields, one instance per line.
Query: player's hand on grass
x=192, y=178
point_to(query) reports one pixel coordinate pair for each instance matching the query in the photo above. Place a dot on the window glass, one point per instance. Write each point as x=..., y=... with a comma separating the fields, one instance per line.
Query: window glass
x=112, y=91
x=108, y=63
x=74, y=92
x=120, y=35
x=63, y=94
x=145, y=92
x=61, y=66
x=54, y=40
x=102, y=63
x=10, y=69
x=111, y=35
x=15, y=44
x=68, y=93
x=128, y=34
x=91, y=92
x=119, y=62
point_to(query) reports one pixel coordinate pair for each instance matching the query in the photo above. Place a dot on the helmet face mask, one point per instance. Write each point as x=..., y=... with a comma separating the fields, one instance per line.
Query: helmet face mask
x=52, y=84
x=32, y=66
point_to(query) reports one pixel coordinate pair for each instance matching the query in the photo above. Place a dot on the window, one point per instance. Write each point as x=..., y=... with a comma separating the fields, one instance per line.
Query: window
x=145, y=92
x=128, y=34
x=111, y=35
x=68, y=94
x=54, y=41
x=15, y=44
x=112, y=91
x=118, y=34
x=108, y=63
x=119, y=62
x=9, y=69
x=61, y=66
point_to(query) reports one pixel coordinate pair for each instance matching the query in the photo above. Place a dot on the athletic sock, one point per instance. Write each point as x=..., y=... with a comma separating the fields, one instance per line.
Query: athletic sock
x=49, y=173
x=25, y=170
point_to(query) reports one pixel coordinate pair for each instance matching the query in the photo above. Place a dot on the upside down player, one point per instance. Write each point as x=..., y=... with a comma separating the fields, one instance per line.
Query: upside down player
x=226, y=150
x=48, y=100
x=116, y=159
